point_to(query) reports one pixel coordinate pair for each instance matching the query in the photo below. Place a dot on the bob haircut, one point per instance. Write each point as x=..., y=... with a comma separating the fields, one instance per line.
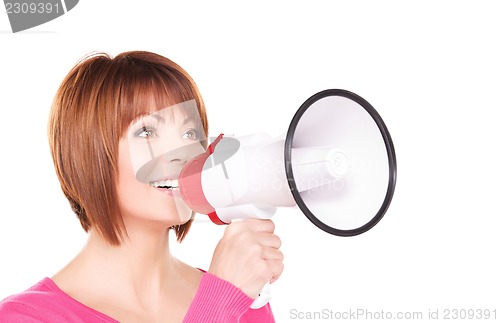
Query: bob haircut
x=91, y=111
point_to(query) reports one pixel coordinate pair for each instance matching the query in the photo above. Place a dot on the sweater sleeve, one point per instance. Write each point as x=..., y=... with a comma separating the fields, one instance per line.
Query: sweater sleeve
x=217, y=300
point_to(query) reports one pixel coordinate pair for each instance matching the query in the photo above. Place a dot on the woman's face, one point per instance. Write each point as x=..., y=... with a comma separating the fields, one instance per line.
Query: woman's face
x=150, y=158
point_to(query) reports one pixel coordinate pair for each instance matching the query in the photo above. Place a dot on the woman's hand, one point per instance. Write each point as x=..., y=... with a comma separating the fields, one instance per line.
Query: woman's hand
x=248, y=255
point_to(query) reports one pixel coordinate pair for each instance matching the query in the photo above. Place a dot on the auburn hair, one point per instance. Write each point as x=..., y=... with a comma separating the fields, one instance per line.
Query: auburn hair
x=91, y=111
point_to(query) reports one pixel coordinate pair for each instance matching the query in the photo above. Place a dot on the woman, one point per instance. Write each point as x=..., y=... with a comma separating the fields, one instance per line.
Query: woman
x=106, y=111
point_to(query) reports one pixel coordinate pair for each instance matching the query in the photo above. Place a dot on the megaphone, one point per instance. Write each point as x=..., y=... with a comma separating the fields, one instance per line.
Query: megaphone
x=337, y=163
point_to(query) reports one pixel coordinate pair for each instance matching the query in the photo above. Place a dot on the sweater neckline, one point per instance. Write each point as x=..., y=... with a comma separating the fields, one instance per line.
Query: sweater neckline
x=50, y=284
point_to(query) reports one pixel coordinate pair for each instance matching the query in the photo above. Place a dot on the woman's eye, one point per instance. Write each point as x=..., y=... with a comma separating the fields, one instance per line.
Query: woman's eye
x=146, y=132
x=191, y=134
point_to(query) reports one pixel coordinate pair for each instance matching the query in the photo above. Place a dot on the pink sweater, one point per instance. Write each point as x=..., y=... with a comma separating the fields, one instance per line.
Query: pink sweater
x=216, y=300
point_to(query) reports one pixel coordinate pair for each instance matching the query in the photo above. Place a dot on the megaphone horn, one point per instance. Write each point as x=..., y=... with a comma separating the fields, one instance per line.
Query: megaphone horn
x=362, y=160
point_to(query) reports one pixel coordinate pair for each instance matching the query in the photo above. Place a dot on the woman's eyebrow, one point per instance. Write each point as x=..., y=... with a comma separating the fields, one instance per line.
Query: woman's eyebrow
x=143, y=118
x=188, y=120
x=158, y=117
x=161, y=119
x=192, y=118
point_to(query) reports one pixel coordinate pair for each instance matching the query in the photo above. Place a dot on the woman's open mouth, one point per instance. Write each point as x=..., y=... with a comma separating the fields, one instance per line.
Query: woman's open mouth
x=169, y=184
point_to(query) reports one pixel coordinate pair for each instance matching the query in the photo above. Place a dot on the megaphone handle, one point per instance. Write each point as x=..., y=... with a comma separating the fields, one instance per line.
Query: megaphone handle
x=263, y=298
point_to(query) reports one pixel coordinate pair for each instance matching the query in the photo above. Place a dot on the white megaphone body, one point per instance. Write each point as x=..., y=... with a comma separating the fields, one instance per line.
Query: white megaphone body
x=244, y=177
x=336, y=163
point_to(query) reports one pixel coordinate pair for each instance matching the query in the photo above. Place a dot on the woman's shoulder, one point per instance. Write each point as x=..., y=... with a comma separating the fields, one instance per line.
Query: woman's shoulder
x=30, y=296
x=45, y=302
x=28, y=303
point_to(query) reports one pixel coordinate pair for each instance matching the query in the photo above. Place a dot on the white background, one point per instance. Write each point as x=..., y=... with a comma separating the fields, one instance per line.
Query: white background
x=430, y=68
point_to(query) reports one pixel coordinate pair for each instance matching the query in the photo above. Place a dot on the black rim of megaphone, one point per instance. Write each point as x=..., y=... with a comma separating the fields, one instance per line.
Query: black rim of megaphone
x=390, y=154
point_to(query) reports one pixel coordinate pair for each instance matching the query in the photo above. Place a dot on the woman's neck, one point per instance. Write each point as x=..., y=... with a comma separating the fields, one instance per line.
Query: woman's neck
x=140, y=272
x=142, y=256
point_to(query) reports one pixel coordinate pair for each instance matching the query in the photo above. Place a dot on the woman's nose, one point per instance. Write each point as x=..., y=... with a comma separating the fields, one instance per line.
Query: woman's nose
x=180, y=160
x=182, y=154
x=176, y=156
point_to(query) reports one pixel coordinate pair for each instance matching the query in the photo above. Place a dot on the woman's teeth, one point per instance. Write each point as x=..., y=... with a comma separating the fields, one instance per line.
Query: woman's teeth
x=169, y=184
